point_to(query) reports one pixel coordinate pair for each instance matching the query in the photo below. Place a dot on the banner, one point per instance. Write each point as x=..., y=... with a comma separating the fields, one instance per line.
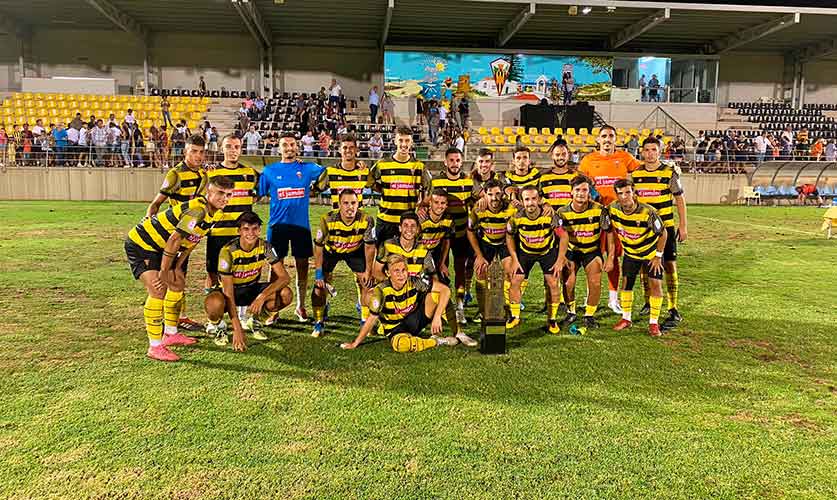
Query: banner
x=435, y=75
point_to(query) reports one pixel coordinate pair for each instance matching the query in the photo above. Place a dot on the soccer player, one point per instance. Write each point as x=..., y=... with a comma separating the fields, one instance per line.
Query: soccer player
x=405, y=305
x=640, y=229
x=583, y=222
x=483, y=171
x=406, y=244
x=157, y=249
x=461, y=195
x=226, y=229
x=184, y=182
x=658, y=184
x=346, y=234
x=288, y=184
x=350, y=173
x=400, y=180
x=522, y=174
x=436, y=228
x=605, y=167
x=487, y=235
x=530, y=239
x=240, y=264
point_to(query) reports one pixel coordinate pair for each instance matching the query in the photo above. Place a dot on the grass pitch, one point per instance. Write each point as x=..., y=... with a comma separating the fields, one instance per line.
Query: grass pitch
x=738, y=402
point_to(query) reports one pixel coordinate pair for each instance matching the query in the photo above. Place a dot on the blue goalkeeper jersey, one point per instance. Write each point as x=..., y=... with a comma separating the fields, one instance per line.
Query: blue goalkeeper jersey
x=288, y=185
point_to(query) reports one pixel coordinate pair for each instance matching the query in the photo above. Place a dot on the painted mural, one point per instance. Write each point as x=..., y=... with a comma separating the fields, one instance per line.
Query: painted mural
x=442, y=76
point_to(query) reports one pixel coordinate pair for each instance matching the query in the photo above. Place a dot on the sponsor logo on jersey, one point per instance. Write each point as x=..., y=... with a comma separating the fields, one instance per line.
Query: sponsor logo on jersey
x=405, y=310
x=402, y=185
x=648, y=193
x=241, y=193
x=290, y=193
x=247, y=274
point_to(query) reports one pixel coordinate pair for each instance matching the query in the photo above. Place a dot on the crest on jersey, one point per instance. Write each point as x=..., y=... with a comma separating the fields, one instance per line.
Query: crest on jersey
x=375, y=304
x=298, y=174
x=192, y=224
x=319, y=234
x=223, y=265
x=165, y=183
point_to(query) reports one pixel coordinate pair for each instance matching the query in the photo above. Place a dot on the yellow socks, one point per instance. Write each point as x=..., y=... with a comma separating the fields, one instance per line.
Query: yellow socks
x=515, y=310
x=506, y=288
x=407, y=343
x=364, y=313
x=523, y=287
x=553, y=311
x=171, y=307
x=627, y=299
x=672, y=283
x=153, y=314
x=319, y=313
x=656, y=304
x=571, y=306
x=590, y=310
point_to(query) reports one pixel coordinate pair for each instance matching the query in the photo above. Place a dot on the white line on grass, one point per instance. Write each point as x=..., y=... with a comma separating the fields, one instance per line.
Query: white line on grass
x=759, y=226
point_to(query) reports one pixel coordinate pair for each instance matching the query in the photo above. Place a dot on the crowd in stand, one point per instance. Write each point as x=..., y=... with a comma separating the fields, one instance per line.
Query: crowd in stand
x=763, y=146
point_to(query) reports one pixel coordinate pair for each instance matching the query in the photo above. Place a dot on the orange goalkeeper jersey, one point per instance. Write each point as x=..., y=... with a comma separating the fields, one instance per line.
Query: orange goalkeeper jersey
x=605, y=170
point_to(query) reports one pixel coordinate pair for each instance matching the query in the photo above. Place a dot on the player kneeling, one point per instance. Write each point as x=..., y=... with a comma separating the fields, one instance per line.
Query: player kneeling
x=240, y=264
x=405, y=305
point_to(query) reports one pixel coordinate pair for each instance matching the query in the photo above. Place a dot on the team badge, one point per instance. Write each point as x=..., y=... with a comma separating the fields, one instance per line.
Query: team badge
x=298, y=174
x=165, y=183
x=223, y=265
x=376, y=304
x=319, y=234
x=192, y=224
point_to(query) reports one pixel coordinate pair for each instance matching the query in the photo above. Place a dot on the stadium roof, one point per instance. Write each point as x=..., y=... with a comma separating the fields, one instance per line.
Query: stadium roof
x=671, y=27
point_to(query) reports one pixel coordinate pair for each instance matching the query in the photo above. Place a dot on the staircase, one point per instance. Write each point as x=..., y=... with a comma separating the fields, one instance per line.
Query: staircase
x=222, y=114
x=729, y=118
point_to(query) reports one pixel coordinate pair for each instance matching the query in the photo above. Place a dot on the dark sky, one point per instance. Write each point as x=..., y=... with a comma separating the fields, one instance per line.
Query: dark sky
x=785, y=3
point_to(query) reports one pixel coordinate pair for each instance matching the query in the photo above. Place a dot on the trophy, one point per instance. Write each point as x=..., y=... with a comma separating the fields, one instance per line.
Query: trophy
x=493, y=327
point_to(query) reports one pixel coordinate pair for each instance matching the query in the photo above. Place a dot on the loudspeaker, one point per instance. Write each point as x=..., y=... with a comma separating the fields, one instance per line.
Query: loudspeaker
x=620, y=78
x=579, y=116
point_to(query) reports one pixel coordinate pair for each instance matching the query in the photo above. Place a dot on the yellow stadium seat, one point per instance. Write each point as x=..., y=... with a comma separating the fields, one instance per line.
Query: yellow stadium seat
x=596, y=131
x=577, y=140
x=520, y=131
x=545, y=149
x=571, y=131
x=486, y=139
x=583, y=131
x=507, y=131
x=546, y=131
x=658, y=131
x=558, y=131
x=591, y=141
x=526, y=140
x=539, y=140
x=495, y=131
x=646, y=132
x=483, y=131
x=499, y=139
x=533, y=131
x=619, y=131
x=633, y=131
x=549, y=139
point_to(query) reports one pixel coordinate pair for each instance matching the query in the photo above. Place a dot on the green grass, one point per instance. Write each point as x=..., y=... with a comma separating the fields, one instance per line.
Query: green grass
x=739, y=402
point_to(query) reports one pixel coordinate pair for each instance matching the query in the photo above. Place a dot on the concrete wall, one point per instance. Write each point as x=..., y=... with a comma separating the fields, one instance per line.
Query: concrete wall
x=821, y=82
x=97, y=184
x=749, y=78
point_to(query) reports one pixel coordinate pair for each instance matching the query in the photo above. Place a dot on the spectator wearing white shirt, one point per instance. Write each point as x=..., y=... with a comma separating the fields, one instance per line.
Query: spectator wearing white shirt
x=308, y=141
x=443, y=116
x=129, y=117
x=831, y=151
x=374, y=102
x=760, y=143
x=459, y=141
x=83, y=144
x=334, y=92
x=72, y=145
x=376, y=143
x=114, y=132
x=38, y=129
x=251, y=140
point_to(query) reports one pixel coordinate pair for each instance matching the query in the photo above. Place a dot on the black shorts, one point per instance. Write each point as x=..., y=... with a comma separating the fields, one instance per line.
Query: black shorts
x=528, y=261
x=141, y=260
x=461, y=247
x=214, y=244
x=632, y=267
x=385, y=231
x=489, y=251
x=355, y=260
x=297, y=238
x=582, y=260
x=245, y=295
x=670, y=252
x=414, y=322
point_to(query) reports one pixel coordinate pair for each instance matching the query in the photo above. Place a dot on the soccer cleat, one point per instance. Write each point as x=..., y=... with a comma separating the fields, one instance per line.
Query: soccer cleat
x=466, y=340
x=189, y=324
x=654, y=330
x=553, y=327
x=568, y=320
x=460, y=316
x=467, y=299
x=252, y=326
x=221, y=338
x=562, y=308
x=319, y=329
x=589, y=322
x=522, y=305
x=161, y=353
x=622, y=324
x=302, y=314
x=512, y=323
x=615, y=307
x=674, y=319
x=446, y=341
x=646, y=310
x=477, y=319
x=178, y=339
x=271, y=318
x=325, y=312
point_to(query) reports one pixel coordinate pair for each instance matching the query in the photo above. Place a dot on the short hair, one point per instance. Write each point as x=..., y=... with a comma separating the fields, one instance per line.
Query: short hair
x=486, y=152
x=196, y=140
x=438, y=191
x=559, y=143
x=493, y=183
x=288, y=135
x=623, y=183
x=581, y=179
x=346, y=192
x=404, y=130
x=222, y=182
x=607, y=127
x=349, y=138
x=249, y=217
x=229, y=136
x=395, y=258
x=651, y=140
x=452, y=151
x=409, y=215
x=522, y=149
x=531, y=187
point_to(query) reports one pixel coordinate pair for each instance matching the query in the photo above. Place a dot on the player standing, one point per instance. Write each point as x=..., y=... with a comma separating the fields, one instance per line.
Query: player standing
x=350, y=173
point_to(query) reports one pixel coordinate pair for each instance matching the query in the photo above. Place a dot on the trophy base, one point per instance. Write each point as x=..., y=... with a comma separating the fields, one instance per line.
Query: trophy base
x=493, y=337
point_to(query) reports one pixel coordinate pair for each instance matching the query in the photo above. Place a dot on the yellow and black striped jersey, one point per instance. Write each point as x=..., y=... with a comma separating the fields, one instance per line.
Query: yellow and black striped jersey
x=335, y=236
x=392, y=305
x=461, y=196
x=192, y=220
x=584, y=228
x=479, y=183
x=556, y=188
x=419, y=259
x=336, y=179
x=638, y=231
x=534, y=236
x=530, y=178
x=182, y=184
x=658, y=189
x=244, y=195
x=433, y=232
x=400, y=185
x=489, y=226
x=244, y=266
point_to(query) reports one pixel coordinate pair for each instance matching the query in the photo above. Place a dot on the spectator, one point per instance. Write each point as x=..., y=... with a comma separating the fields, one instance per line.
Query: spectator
x=388, y=109
x=83, y=145
x=38, y=129
x=568, y=88
x=178, y=140
x=335, y=91
x=420, y=105
x=91, y=122
x=212, y=144
x=137, y=144
x=325, y=143
x=643, y=89
x=633, y=145
x=322, y=95
x=788, y=134
x=374, y=102
x=71, y=153
x=787, y=146
x=61, y=142
x=376, y=144
x=43, y=141
x=802, y=144
x=464, y=112
x=4, y=142
x=342, y=129
x=459, y=140
x=443, y=115
x=201, y=86
x=27, y=138
x=818, y=149
x=433, y=122
x=259, y=104
x=243, y=117
x=251, y=140
x=300, y=106
x=129, y=117
x=701, y=148
x=308, y=141
x=831, y=151
x=114, y=134
x=654, y=89
x=77, y=121
x=165, y=106
x=163, y=145
x=151, y=146
x=99, y=137
x=272, y=142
